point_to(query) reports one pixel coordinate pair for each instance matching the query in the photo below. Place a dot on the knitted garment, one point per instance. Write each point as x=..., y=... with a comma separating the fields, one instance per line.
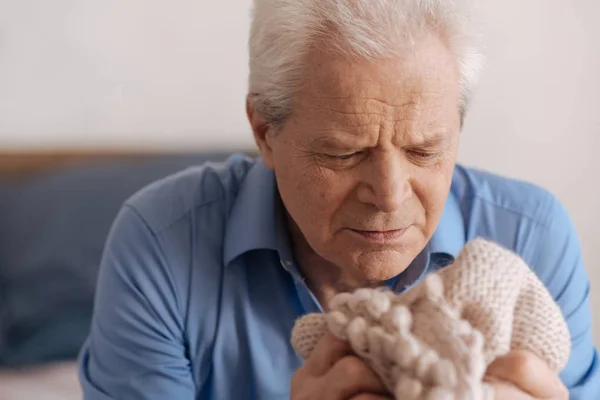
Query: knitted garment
x=436, y=340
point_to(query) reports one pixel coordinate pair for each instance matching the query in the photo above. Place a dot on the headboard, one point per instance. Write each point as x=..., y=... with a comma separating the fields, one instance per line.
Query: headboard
x=19, y=164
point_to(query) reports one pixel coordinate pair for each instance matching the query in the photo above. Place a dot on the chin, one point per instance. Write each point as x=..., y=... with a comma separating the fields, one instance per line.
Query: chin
x=381, y=265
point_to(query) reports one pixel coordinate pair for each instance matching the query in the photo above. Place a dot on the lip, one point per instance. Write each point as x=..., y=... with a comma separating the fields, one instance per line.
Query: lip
x=380, y=236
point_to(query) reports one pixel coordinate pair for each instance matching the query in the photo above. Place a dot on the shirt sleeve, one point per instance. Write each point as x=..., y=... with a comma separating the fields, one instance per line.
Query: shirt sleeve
x=559, y=261
x=135, y=349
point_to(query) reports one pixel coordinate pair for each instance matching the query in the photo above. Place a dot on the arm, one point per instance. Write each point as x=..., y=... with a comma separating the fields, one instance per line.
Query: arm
x=559, y=261
x=135, y=349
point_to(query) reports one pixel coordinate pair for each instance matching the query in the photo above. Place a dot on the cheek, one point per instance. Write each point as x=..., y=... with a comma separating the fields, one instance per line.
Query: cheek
x=431, y=188
x=313, y=196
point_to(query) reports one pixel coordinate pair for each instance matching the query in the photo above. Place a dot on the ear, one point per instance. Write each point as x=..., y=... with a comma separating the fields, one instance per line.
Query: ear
x=262, y=134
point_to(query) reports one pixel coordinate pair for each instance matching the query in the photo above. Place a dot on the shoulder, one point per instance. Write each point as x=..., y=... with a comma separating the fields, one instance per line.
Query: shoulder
x=169, y=231
x=169, y=222
x=519, y=215
x=500, y=195
x=211, y=186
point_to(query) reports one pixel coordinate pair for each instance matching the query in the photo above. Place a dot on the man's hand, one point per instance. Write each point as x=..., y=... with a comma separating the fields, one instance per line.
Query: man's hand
x=521, y=375
x=333, y=373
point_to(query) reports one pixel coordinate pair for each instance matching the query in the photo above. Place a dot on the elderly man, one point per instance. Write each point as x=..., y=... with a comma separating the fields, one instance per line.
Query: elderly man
x=357, y=108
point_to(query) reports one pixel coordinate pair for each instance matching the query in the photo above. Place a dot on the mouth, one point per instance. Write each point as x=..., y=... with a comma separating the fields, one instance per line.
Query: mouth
x=380, y=236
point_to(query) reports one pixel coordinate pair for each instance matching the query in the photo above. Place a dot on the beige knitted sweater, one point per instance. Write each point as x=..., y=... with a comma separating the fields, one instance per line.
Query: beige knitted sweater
x=436, y=340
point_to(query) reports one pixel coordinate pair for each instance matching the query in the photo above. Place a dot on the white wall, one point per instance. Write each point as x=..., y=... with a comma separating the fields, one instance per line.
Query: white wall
x=130, y=73
x=536, y=115
x=123, y=73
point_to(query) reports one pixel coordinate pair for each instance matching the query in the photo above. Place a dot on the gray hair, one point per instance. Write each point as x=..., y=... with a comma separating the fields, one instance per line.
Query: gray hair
x=284, y=31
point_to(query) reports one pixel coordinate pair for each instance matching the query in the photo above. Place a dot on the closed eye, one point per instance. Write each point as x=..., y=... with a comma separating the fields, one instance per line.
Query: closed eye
x=344, y=157
x=423, y=154
x=424, y=157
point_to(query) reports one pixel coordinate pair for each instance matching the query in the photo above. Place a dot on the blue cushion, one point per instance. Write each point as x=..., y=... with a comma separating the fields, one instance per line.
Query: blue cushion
x=52, y=232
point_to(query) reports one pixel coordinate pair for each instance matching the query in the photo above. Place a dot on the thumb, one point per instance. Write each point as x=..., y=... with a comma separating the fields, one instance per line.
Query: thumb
x=307, y=333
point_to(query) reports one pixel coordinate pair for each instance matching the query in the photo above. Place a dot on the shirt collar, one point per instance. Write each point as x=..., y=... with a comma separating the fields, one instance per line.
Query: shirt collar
x=257, y=221
x=449, y=237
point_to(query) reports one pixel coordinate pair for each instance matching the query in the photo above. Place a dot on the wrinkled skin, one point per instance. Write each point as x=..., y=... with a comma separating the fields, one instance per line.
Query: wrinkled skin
x=364, y=167
x=365, y=163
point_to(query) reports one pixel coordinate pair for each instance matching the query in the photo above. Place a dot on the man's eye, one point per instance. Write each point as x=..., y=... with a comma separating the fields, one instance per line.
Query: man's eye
x=343, y=157
x=423, y=155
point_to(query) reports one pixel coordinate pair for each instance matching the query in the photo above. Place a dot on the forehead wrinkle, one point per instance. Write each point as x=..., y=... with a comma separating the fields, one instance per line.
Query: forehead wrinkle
x=346, y=117
x=360, y=129
x=375, y=111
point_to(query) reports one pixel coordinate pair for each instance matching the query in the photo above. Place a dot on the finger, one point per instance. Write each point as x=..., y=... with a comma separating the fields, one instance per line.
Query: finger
x=507, y=391
x=350, y=377
x=528, y=373
x=328, y=351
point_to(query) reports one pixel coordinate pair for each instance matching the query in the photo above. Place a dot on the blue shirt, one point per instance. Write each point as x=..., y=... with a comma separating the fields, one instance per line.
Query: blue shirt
x=198, y=290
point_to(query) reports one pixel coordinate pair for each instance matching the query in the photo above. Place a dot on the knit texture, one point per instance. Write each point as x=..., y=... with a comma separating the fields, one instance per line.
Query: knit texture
x=436, y=340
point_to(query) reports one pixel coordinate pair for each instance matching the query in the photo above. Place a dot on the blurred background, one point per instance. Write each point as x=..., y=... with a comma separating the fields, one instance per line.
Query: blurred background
x=165, y=78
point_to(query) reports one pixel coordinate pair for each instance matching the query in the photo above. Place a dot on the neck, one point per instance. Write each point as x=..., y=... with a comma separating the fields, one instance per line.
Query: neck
x=322, y=277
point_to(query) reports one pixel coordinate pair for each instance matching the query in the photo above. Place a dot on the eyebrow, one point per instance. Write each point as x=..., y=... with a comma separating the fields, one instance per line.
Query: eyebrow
x=432, y=140
x=332, y=139
x=339, y=139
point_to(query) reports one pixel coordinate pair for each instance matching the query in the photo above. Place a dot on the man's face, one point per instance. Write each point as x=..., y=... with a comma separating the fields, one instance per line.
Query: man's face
x=364, y=165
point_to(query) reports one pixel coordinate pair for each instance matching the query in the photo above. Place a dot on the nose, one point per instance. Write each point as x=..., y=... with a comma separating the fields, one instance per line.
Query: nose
x=387, y=182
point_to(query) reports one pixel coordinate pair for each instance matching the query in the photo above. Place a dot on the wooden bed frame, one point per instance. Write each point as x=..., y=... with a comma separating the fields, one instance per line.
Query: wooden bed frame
x=15, y=165
x=18, y=164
